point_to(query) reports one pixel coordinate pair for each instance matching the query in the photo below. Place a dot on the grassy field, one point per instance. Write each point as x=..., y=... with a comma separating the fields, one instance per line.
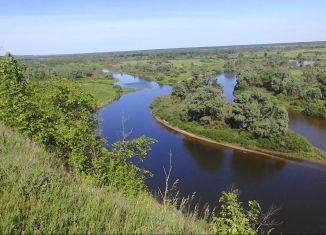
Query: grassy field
x=183, y=68
x=308, y=53
x=37, y=195
x=290, y=144
x=103, y=89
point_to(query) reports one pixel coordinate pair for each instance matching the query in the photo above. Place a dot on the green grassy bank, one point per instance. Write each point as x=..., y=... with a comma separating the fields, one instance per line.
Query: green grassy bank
x=103, y=89
x=291, y=144
x=37, y=195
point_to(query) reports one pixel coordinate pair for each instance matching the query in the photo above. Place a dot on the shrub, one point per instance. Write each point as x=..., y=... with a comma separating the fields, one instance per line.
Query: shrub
x=206, y=101
x=233, y=218
x=61, y=116
x=315, y=110
x=253, y=111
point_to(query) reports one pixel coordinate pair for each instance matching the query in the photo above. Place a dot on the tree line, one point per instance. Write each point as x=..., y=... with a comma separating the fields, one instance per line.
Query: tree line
x=306, y=90
x=203, y=101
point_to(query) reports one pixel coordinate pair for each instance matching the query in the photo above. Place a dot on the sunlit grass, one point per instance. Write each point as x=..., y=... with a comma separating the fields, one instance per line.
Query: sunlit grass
x=37, y=195
x=103, y=89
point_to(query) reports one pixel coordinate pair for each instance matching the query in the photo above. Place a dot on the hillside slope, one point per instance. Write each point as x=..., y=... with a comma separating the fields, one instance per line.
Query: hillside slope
x=37, y=195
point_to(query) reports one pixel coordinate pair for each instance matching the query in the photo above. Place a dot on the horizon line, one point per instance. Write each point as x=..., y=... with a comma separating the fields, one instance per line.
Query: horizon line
x=172, y=48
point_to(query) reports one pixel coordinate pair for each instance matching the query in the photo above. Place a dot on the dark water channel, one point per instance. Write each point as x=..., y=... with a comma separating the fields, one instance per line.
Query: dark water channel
x=298, y=187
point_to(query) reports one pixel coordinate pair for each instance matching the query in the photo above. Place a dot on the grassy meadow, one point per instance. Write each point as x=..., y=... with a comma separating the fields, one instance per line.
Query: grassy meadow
x=103, y=89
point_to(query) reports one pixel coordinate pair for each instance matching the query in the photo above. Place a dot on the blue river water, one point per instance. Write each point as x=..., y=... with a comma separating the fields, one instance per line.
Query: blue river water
x=297, y=187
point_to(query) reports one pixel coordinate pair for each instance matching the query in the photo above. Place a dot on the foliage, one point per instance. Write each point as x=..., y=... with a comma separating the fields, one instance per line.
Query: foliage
x=202, y=99
x=114, y=167
x=290, y=144
x=180, y=90
x=229, y=67
x=189, y=86
x=303, y=88
x=316, y=110
x=247, y=77
x=255, y=113
x=233, y=218
x=321, y=77
x=58, y=114
x=38, y=196
x=207, y=101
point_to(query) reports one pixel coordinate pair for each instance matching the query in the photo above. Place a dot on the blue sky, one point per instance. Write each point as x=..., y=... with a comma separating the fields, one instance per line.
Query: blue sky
x=57, y=27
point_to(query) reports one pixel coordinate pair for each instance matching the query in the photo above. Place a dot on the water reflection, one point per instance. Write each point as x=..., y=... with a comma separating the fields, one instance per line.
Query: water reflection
x=254, y=169
x=207, y=159
x=129, y=81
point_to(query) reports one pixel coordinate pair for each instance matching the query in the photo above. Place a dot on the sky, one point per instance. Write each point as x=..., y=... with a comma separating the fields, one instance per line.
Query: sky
x=38, y=27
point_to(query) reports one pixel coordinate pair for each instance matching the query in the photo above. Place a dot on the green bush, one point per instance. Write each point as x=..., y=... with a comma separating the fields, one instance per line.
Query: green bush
x=254, y=112
x=316, y=110
x=202, y=99
x=289, y=142
x=61, y=116
x=233, y=218
x=207, y=101
x=38, y=196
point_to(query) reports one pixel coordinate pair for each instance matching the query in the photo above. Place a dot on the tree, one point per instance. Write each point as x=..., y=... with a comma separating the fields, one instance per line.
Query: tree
x=61, y=116
x=253, y=112
x=114, y=167
x=187, y=87
x=229, y=67
x=321, y=77
x=300, y=59
x=235, y=218
x=310, y=93
x=13, y=91
x=207, y=101
x=179, y=90
x=291, y=86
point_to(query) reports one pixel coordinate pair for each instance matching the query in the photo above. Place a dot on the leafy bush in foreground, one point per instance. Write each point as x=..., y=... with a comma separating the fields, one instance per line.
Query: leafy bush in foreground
x=38, y=196
x=235, y=218
x=61, y=116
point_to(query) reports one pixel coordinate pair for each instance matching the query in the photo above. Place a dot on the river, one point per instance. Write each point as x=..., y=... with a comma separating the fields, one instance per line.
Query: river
x=298, y=187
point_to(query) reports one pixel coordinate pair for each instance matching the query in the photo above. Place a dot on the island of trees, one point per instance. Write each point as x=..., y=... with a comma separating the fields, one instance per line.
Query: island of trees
x=253, y=120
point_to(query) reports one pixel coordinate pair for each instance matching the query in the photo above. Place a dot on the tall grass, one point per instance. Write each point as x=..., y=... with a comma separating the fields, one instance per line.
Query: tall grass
x=37, y=195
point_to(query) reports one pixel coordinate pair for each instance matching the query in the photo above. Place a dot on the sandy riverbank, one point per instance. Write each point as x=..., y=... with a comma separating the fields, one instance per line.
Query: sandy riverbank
x=263, y=152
